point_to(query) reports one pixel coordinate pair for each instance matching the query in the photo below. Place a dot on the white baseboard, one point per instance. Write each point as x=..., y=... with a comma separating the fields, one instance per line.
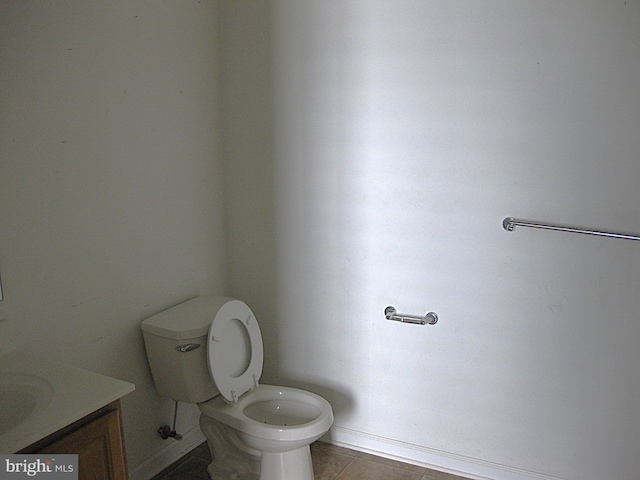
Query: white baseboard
x=174, y=450
x=464, y=466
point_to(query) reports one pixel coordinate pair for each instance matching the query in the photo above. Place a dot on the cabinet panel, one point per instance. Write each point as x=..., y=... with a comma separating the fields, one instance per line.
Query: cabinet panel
x=98, y=441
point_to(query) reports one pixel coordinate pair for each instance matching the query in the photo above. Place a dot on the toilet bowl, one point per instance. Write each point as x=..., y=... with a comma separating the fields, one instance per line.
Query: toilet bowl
x=280, y=423
x=209, y=351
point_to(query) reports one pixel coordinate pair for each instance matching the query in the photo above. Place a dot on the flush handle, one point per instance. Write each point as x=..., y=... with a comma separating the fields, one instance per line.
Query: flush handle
x=187, y=347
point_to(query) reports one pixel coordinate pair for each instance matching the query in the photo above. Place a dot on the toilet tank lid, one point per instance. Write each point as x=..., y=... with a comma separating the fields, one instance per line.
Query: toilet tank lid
x=190, y=319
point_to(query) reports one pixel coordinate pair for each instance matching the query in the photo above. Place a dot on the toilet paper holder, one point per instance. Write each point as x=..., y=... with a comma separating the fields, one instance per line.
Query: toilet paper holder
x=391, y=313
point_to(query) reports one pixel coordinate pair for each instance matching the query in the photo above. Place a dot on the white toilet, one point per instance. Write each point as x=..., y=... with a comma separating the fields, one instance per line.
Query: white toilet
x=209, y=351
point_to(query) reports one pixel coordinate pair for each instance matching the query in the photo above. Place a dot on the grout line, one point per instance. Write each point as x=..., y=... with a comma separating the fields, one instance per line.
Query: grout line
x=337, y=477
x=351, y=454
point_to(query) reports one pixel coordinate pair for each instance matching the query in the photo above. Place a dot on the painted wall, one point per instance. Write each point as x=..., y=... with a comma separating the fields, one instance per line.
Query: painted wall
x=368, y=154
x=111, y=190
x=403, y=133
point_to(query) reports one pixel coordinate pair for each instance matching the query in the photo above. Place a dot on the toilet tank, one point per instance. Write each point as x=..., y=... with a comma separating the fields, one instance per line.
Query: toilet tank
x=176, y=345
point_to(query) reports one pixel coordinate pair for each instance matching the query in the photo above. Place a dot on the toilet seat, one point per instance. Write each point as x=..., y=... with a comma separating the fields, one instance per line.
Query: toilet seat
x=235, y=351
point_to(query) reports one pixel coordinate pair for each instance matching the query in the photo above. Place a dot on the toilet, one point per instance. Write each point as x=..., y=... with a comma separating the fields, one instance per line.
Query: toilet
x=208, y=351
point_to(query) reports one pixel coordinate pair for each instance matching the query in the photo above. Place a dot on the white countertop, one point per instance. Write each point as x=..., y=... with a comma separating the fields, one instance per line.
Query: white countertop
x=73, y=392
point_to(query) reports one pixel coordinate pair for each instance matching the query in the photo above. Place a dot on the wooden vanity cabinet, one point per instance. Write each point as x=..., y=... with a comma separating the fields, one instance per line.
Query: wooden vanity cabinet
x=97, y=439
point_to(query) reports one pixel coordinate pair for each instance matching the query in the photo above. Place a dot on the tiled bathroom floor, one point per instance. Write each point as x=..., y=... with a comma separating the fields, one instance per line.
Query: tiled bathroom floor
x=329, y=463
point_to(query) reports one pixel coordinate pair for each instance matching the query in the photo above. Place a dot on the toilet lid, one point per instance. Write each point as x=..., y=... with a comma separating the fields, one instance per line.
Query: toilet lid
x=235, y=350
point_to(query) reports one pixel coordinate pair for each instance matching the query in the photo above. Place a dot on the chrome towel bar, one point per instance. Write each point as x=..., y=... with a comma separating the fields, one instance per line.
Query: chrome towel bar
x=391, y=313
x=511, y=223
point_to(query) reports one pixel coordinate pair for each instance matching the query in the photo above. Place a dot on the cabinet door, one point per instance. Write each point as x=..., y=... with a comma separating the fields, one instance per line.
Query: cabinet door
x=99, y=447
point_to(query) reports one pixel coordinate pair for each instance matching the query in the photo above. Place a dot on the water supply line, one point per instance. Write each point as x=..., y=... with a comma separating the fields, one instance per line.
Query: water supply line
x=166, y=431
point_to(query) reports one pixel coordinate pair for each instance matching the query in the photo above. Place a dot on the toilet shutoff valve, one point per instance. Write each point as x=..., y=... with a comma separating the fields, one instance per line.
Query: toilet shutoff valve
x=166, y=432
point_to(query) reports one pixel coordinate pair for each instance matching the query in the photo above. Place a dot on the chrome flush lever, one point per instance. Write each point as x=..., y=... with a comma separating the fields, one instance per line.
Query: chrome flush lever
x=391, y=313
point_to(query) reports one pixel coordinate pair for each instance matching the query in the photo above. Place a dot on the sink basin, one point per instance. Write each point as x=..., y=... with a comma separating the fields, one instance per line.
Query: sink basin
x=39, y=396
x=21, y=395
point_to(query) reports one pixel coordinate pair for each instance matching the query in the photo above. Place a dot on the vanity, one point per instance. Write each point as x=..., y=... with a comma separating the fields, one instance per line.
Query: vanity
x=51, y=407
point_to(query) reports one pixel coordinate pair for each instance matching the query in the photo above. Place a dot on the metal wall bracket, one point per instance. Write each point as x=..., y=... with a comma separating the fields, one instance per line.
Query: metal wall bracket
x=391, y=313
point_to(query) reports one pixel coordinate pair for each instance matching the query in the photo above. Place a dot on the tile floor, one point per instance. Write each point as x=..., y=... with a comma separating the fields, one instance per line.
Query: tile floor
x=329, y=463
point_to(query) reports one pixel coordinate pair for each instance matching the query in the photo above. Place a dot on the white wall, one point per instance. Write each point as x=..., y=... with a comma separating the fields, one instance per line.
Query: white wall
x=371, y=151
x=404, y=132
x=247, y=134
x=111, y=190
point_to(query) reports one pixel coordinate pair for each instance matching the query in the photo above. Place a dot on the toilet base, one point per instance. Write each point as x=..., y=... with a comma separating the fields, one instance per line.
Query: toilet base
x=293, y=465
x=233, y=459
x=230, y=459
